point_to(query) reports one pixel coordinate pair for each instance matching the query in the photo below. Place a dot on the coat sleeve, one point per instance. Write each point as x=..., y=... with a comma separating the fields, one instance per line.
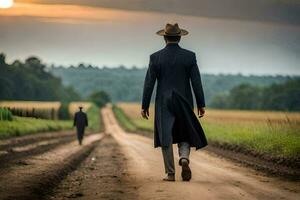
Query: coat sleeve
x=197, y=83
x=149, y=84
x=86, y=120
x=75, y=120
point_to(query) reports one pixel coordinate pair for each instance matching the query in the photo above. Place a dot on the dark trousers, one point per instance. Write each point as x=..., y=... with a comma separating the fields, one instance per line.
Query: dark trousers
x=80, y=133
x=183, y=151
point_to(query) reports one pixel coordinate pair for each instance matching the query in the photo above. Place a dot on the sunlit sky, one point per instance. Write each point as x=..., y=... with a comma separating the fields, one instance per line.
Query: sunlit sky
x=67, y=34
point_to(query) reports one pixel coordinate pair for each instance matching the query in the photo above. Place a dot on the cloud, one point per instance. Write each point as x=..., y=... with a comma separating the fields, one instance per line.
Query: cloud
x=71, y=13
x=280, y=11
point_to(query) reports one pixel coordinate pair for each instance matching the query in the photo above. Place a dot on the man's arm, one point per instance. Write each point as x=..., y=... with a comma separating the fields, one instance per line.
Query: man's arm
x=197, y=86
x=86, y=120
x=148, y=88
x=74, y=123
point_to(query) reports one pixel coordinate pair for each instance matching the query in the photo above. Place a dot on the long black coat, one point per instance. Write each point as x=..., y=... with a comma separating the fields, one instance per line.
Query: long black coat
x=175, y=70
x=80, y=121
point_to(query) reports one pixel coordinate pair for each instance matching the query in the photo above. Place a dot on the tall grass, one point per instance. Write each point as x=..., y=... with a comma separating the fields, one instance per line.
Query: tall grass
x=95, y=121
x=36, y=109
x=273, y=139
x=5, y=115
x=125, y=121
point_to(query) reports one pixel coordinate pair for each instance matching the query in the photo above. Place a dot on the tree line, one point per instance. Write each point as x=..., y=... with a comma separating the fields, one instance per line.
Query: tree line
x=33, y=80
x=284, y=96
x=126, y=84
x=30, y=80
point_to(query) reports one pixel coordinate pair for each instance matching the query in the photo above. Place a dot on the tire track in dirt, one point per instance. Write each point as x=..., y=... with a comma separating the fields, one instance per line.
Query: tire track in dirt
x=14, y=151
x=16, y=155
x=44, y=171
x=32, y=138
x=103, y=175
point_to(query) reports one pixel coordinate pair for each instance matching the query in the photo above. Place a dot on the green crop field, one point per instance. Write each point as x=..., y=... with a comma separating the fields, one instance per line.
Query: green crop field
x=26, y=125
x=17, y=126
x=272, y=133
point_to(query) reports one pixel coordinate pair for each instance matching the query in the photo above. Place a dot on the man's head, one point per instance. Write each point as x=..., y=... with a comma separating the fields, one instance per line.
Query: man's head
x=80, y=108
x=172, y=33
x=172, y=39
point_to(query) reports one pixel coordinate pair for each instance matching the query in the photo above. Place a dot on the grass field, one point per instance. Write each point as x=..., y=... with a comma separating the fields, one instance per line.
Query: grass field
x=26, y=125
x=272, y=133
x=95, y=122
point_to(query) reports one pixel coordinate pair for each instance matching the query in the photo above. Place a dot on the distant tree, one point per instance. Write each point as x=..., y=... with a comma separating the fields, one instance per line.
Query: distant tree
x=282, y=96
x=31, y=81
x=17, y=63
x=125, y=84
x=33, y=61
x=220, y=101
x=2, y=59
x=122, y=67
x=63, y=112
x=245, y=97
x=81, y=66
x=70, y=94
x=100, y=98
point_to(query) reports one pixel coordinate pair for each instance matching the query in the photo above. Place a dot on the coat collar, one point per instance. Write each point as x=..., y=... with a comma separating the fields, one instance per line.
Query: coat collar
x=172, y=45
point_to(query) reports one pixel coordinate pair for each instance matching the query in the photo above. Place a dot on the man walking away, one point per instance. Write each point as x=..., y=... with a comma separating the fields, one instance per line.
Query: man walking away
x=175, y=70
x=80, y=121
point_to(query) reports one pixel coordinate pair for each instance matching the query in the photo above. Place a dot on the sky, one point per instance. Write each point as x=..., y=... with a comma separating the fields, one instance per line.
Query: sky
x=261, y=37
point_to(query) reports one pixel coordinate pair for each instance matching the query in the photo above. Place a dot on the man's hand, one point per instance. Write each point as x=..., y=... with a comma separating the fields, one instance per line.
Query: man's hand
x=201, y=112
x=145, y=113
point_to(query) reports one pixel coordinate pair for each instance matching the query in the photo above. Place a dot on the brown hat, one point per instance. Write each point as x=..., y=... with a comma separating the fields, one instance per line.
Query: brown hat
x=172, y=30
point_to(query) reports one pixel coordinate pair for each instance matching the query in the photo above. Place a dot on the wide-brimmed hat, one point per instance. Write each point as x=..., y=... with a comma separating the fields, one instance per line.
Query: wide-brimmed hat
x=172, y=30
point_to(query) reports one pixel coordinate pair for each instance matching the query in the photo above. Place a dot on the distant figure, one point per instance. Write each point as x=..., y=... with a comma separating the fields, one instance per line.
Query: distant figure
x=80, y=121
x=175, y=70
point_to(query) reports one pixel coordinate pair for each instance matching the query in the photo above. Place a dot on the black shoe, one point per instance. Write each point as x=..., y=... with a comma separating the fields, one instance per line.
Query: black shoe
x=186, y=172
x=169, y=177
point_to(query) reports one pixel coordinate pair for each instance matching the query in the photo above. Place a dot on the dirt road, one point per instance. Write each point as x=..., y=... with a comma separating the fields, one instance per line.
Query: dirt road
x=213, y=177
x=116, y=165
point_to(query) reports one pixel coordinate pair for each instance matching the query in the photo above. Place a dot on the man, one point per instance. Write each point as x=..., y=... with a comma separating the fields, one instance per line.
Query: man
x=175, y=70
x=80, y=121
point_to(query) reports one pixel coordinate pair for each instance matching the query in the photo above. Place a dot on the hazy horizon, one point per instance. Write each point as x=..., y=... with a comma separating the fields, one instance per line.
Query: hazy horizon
x=68, y=34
